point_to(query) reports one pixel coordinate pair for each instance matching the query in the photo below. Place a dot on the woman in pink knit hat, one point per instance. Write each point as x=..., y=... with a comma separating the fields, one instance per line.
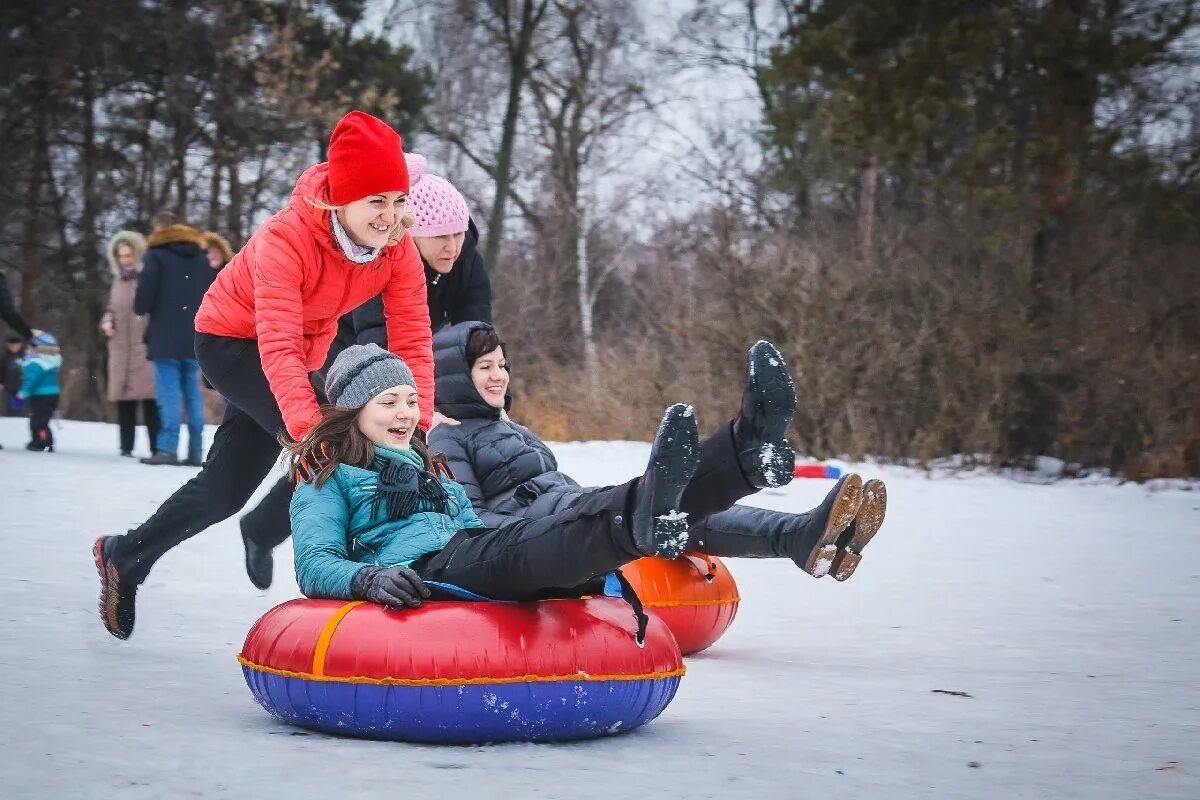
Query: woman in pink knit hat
x=455, y=276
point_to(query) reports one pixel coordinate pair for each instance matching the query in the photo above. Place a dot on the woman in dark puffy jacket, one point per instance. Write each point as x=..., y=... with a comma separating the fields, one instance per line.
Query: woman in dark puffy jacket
x=509, y=473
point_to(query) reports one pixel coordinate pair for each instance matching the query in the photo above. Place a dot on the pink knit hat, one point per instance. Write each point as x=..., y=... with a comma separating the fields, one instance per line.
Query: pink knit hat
x=438, y=206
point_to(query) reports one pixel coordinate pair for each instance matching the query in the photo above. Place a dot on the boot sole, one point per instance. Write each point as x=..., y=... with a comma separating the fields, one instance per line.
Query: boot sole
x=776, y=392
x=109, y=597
x=674, y=465
x=774, y=385
x=824, y=555
x=866, y=524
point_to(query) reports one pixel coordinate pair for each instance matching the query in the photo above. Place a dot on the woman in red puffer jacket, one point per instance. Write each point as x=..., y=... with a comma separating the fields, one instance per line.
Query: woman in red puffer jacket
x=267, y=323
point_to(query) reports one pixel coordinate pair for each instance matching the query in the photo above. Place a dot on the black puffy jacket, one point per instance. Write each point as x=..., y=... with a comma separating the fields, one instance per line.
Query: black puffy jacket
x=175, y=276
x=461, y=295
x=507, y=471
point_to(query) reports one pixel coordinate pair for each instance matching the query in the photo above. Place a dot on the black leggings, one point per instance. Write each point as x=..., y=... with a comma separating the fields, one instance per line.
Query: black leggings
x=41, y=411
x=127, y=421
x=244, y=450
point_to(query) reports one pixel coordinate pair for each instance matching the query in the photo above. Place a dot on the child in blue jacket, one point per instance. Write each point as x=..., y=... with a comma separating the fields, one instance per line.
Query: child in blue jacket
x=39, y=389
x=374, y=516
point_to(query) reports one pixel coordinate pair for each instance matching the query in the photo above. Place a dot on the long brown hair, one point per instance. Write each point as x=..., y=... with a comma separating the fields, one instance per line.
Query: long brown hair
x=336, y=440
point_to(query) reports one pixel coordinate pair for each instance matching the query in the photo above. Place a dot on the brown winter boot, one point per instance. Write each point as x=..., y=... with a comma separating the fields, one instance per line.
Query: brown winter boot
x=840, y=506
x=862, y=529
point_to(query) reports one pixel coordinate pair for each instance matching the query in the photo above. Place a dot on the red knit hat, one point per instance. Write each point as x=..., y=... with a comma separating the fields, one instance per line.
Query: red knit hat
x=365, y=157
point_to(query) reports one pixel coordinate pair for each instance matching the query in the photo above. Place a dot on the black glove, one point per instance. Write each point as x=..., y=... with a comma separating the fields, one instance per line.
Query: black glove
x=397, y=587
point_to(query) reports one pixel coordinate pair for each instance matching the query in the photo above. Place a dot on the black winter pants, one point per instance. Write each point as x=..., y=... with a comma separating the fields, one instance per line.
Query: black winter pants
x=243, y=452
x=127, y=422
x=715, y=525
x=41, y=410
x=530, y=558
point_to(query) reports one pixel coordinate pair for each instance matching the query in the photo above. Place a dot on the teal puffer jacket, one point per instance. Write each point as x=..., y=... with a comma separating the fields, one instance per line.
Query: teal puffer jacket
x=335, y=532
x=40, y=375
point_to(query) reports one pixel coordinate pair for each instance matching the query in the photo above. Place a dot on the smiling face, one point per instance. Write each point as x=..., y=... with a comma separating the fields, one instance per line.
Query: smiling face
x=489, y=373
x=391, y=417
x=372, y=220
x=440, y=252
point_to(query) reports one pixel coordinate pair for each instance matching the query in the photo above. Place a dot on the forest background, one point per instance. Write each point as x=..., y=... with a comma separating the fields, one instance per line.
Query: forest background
x=972, y=228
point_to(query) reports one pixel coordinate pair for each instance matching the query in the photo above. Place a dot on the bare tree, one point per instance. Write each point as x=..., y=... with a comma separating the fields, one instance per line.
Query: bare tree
x=478, y=34
x=586, y=87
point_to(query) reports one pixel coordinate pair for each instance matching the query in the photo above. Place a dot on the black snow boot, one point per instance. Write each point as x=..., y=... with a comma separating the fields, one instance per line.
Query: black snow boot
x=117, y=595
x=760, y=430
x=260, y=562
x=862, y=529
x=659, y=527
x=809, y=539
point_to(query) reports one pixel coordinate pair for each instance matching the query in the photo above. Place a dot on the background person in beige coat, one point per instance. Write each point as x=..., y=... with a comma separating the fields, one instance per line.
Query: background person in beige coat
x=130, y=372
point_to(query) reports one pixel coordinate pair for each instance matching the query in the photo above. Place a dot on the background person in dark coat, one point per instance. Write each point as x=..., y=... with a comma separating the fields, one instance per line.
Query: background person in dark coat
x=8, y=312
x=509, y=473
x=175, y=276
x=460, y=294
x=11, y=374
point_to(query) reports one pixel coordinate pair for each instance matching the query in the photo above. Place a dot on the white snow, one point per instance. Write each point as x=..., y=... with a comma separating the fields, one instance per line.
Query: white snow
x=771, y=460
x=1070, y=613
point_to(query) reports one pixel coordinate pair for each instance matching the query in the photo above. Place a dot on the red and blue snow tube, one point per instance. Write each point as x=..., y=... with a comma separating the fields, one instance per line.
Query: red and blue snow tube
x=462, y=672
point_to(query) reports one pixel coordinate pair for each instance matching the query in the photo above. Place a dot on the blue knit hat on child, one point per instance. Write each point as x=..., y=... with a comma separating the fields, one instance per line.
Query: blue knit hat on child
x=44, y=339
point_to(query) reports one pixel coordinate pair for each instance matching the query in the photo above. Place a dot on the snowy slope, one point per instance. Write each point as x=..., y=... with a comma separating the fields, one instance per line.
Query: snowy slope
x=1070, y=613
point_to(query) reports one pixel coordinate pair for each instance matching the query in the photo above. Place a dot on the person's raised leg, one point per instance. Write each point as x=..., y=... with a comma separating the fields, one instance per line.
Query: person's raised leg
x=751, y=452
x=244, y=450
x=242, y=455
x=810, y=539
x=605, y=529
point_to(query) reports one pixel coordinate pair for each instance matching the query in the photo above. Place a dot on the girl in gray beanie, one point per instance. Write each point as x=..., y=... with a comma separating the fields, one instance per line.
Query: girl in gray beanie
x=375, y=518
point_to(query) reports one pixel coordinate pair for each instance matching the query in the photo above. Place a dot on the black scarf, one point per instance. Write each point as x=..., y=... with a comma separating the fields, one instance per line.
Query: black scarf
x=404, y=490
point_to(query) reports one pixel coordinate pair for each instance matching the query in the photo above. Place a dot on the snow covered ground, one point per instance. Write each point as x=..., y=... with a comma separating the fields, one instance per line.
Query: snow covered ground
x=1069, y=613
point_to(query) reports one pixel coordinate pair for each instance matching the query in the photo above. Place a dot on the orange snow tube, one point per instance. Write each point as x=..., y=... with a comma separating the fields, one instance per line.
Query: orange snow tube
x=694, y=595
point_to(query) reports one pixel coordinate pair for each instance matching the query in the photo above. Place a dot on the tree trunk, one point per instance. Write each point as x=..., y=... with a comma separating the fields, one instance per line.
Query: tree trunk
x=180, y=156
x=518, y=72
x=233, y=214
x=586, y=301
x=214, y=187
x=866, y=212
x=90, y=396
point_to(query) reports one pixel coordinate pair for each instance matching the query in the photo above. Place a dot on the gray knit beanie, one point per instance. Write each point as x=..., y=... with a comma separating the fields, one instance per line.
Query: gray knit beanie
x=362, y=371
